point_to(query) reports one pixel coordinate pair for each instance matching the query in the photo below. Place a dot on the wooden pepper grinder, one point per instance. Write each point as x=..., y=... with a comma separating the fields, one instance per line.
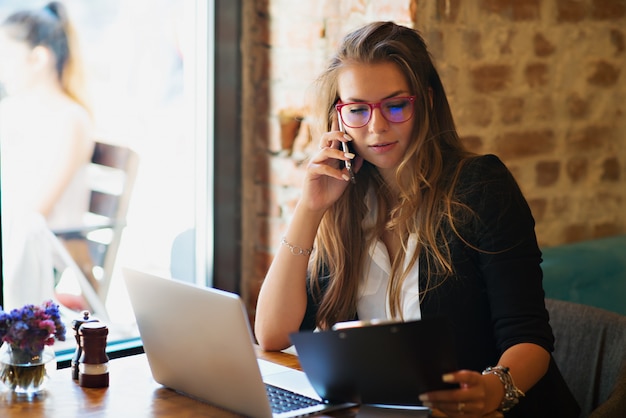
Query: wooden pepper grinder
x=76, y=323
x=93, y=365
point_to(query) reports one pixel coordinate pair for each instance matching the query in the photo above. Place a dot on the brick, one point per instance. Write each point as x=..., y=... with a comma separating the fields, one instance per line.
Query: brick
x=608, y=9
x=262, y=262
x=547, y=173
x=575, y=233
x=524, y=144
x=261, y=98
x=511, y=110
x=542, y=46
x=490, y=78
x=261, y=130
x=291, y=196
x=290, y=11
x=271, y=141
x=472, y=44
x=570, y=11
x=541, y=108
x=577, y=107
x=260, y=66
x=261, y=7
x=538, y=208
x=577, y=169
x=526, y=9
x=479, y=112
x=450, y=78
x=448, y=10
x=397, y=10
x=267, y=201
x=604, y=74
x=286, y=65
x=500, y=7
x=285, y=172
x=617, y=40
x=516, y=10
x=536, y=74
x=300, y=33
x=260, y=32
x=608, y=202
x=605, y=230
x=561, y=205
x=590, y=138
x=269, y=231
x=262, y=231
x=611, y=170
x=261, y=168
x=435, y=43
x=505, y=47
x=303, y=146
x=473, y=143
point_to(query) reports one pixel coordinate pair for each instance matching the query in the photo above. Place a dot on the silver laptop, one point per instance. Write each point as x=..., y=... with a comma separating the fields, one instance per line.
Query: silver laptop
x=198, y=342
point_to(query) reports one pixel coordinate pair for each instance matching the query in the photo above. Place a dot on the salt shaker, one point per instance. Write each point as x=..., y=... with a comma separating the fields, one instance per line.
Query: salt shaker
x=93, y=364
x=76, y=323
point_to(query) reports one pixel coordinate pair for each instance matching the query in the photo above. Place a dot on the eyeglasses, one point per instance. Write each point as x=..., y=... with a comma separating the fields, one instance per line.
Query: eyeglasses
x=393, y=109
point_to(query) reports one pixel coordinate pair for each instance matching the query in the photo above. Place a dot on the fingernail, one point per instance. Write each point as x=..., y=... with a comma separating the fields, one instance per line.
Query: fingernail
x=423, y=397
x=448, y=378
x=345, y=177
x=347, y=137
x=349, y=155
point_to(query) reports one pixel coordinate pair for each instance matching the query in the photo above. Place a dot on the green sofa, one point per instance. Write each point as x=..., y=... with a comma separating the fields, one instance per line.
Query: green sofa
x=589, y=272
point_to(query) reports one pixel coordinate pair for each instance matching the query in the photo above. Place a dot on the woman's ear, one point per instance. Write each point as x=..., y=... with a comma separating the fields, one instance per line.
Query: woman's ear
x=41, y=58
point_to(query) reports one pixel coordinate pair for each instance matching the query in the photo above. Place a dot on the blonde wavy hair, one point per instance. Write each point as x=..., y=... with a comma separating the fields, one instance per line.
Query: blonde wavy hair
x=426, y=178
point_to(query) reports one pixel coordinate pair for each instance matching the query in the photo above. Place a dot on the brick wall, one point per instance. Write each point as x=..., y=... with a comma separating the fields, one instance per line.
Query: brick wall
x=539, y=83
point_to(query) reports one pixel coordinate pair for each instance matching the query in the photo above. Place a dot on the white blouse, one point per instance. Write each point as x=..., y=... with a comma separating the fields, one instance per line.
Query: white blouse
x=373, y=300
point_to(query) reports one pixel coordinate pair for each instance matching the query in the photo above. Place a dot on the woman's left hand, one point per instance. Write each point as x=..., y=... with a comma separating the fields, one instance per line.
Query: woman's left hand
x=469, y=400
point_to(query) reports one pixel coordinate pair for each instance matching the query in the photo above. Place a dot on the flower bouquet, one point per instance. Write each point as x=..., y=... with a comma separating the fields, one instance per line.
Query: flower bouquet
x=25, y=333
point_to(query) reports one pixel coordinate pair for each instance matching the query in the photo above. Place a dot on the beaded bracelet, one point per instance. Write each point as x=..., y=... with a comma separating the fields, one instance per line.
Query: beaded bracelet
x=296, y=250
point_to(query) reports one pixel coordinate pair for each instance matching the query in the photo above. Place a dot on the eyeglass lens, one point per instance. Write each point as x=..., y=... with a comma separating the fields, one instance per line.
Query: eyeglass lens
x=395, y=109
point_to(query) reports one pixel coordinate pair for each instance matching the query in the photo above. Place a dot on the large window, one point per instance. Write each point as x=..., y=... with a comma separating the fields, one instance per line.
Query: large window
x=154, y=69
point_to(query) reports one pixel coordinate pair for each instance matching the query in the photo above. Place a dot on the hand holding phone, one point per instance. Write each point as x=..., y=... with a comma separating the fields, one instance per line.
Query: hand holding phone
x=345, y=148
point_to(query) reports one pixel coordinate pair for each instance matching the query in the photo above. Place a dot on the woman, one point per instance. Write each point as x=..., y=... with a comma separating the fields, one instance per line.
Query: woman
x=46, y=137
x=427, y=229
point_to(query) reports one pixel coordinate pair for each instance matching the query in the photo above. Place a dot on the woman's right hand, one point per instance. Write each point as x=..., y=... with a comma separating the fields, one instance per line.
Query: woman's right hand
x=326, y=176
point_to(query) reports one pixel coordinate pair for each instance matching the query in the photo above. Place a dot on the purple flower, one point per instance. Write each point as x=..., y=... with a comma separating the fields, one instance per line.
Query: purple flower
x=31, y=327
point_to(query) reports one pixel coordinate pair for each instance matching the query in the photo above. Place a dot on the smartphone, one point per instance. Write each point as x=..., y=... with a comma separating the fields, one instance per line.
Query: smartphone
x=344, y=146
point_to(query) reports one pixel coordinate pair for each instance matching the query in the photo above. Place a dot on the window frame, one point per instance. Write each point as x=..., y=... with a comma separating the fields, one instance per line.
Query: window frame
x=218, y=190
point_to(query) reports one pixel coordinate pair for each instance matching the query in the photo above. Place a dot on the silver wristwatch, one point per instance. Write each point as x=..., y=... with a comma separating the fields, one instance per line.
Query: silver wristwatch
x=511, y=392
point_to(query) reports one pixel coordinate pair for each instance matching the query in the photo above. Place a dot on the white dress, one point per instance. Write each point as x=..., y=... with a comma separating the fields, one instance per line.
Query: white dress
x=27, y=154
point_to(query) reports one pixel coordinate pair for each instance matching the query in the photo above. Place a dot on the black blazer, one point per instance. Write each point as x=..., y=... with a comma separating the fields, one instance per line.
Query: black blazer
x=495, y=298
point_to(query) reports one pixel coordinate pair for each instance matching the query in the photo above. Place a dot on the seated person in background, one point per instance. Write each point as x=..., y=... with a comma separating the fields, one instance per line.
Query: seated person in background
x=46, y=139
x=427, y=229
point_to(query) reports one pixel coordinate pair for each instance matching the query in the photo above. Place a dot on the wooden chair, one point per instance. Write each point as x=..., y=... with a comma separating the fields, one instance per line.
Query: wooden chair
x=94, y=245
x=590, y=350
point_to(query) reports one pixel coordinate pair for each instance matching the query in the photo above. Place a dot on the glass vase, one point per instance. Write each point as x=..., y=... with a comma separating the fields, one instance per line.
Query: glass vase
x=24, y=374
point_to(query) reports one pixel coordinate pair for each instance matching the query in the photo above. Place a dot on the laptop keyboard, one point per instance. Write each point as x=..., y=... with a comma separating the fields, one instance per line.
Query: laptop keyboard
x=283, y=400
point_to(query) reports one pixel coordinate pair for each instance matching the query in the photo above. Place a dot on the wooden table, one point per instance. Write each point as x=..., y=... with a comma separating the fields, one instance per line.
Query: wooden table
x=132, y=393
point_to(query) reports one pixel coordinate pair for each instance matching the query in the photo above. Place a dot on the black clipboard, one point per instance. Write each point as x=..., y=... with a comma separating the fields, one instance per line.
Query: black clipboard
x=388, y=363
